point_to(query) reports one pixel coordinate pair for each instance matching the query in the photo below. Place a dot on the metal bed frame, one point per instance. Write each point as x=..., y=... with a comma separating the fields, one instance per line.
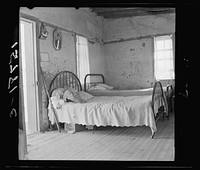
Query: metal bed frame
x=169, y=89
x=65, y=79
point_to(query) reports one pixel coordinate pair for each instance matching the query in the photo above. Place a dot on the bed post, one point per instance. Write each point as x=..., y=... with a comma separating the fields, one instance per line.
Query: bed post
x=85, y=82
x=161, y=110
x=169, y=96
x=153, y=134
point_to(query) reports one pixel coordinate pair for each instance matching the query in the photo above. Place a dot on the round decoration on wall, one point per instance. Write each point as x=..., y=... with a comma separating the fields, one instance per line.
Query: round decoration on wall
x=57, y=39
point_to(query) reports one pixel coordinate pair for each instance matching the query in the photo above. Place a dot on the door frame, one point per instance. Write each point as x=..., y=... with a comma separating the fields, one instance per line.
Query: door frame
x=38, y=76
x=22, y=147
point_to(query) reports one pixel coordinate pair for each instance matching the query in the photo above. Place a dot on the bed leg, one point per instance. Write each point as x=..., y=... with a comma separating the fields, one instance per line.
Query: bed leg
x=50, y=127
x=163, y=116
x=167, y=116
x=94, y=128
x=153, y=134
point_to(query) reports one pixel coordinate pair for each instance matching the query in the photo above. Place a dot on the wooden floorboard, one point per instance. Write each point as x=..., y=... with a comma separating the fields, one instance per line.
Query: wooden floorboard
x=105, y=143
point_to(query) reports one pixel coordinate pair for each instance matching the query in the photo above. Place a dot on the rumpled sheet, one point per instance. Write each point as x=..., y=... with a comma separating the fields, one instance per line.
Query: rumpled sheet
x=109, y=110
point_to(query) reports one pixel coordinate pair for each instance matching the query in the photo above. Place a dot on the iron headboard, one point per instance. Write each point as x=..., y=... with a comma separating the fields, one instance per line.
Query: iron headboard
x=65, y=79
x=88, y=85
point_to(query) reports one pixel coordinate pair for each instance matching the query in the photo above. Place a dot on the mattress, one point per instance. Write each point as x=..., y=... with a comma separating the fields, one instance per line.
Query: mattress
x=109, y=110
x=116, y=92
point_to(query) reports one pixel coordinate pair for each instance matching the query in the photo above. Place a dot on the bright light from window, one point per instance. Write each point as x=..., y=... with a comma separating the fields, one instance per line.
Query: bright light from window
x=83, y=66
x=164, y=63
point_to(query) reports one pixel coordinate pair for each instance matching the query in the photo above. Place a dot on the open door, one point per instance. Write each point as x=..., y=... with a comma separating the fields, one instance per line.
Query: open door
x=28, y=84
x=29, y=74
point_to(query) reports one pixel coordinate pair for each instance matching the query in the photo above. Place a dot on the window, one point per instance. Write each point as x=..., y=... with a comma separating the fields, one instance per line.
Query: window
x=82, y=58
x=164, y=62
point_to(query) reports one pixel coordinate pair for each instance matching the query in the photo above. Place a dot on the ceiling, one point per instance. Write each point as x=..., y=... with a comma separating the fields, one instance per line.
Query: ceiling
x=111, y=13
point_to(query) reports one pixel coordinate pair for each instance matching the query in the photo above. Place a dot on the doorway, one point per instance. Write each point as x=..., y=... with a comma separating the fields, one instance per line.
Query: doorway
x=29, y=74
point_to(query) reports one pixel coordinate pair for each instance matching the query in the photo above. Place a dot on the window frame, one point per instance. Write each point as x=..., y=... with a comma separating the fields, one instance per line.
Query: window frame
x=172, y=49
x=78, y=67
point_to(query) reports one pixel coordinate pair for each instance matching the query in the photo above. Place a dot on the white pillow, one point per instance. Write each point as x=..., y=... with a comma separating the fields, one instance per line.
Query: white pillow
x=100, y=86
x=105, y=85
x=85, y=96
x=96, y=88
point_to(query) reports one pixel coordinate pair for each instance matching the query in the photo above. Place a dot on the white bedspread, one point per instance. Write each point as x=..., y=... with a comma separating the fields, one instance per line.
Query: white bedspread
x=109, y=110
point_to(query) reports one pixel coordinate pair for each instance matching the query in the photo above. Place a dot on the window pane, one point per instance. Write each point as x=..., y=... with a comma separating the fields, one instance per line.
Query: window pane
x=168, y=54
x=160, y=65
x=171, y=65
x=168, y=44
x=160, y=75
x=168, y=65
x=83, y=67
x=164, y=68
x=160, y=45
x=160, y=55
